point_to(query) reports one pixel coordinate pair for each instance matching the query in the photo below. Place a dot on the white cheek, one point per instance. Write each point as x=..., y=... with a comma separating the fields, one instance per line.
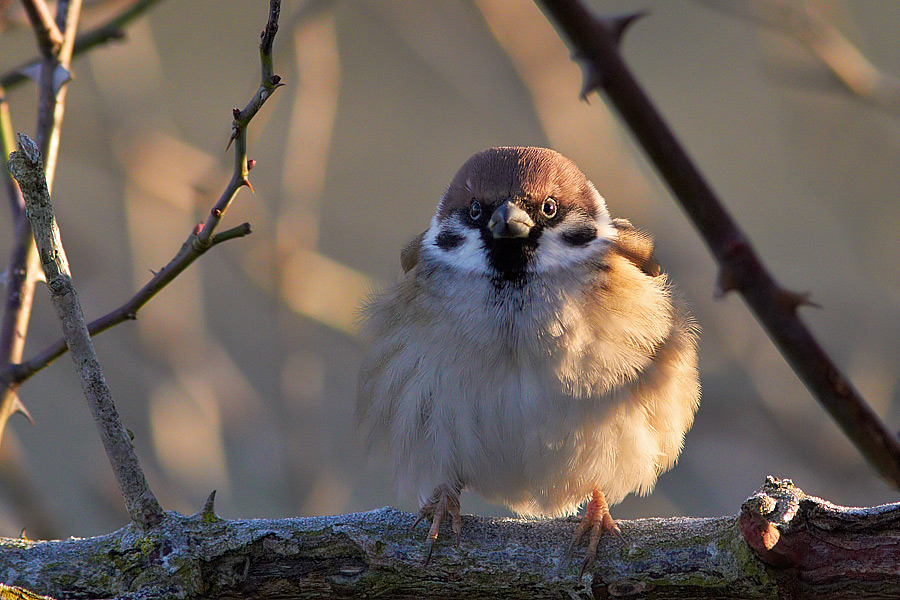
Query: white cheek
x=555, y=254
x=468, y=257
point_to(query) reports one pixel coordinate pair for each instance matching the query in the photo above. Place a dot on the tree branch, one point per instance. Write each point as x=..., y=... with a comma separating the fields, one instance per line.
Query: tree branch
x=45, y=29
x=23, y=268
x=54, y=74
x=846, y=554
x=113, y=29
x=594, y=41
x=187, y=254
x=25, y=165
x=269, y=82
x=7, y=146
x=20, y=275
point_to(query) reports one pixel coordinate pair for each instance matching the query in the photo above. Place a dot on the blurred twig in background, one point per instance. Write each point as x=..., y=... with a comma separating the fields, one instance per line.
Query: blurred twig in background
x=595, y=42
x=803, y=22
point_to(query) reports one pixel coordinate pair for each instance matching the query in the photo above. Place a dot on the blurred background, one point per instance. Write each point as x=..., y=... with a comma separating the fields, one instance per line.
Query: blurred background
x=241, y=375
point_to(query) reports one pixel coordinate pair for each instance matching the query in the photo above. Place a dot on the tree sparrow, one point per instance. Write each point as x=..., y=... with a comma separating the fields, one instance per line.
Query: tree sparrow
x=532, y=351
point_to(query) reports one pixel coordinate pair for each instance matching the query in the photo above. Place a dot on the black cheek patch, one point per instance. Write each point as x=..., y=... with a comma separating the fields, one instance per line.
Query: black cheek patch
x=448, y=240
x=580, y=235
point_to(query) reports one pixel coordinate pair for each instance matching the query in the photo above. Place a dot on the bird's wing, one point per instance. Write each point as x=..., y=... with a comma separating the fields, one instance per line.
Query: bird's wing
x=636, y=246
x=409, y=255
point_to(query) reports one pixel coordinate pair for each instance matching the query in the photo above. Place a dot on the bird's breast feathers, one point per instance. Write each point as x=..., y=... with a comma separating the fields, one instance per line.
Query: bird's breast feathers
x=506, y=386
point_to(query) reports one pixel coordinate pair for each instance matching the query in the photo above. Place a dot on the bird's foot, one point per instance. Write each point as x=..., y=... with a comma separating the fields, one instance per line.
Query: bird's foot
x=596, y=519
x=444, y=501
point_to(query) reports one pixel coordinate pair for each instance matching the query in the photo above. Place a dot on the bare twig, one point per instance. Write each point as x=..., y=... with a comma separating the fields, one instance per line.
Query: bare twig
x=25, y=165
x=189, y=252
x=23, y=273
x=23, y=268
x=202, y=239
x=7, y=146
x=20, y=278
x=114, y=29
x=269, y=82
x=595, y=47
x=54, y=74
x=49, y=36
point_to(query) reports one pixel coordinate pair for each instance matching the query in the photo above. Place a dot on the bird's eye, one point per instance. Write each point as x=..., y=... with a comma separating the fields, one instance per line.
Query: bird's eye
x=475, y=210
x=549, y=208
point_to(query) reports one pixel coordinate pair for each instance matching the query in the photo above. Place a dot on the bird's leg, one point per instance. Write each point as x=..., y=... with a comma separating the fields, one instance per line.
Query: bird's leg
x=596, y=519
x=444, y=500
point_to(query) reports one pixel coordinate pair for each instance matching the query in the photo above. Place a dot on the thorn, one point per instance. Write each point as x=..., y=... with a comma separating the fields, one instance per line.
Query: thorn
x=619, y=24
x=22, y=535
x=18, y=407
x=207, y=514
x=592, y=78
x=725, y=283
x=234, y=133
x=791, y=301
x=32, y=71
x=209, y=505
x=61, y=76
x=247, y=183
x=250, y=164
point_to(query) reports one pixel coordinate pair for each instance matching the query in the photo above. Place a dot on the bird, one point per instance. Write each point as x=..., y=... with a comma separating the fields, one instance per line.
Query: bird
x=532, y=351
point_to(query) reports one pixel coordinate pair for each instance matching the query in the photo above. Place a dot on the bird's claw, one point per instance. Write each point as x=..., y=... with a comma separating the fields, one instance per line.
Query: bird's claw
x=596, y=519
x=444, y=500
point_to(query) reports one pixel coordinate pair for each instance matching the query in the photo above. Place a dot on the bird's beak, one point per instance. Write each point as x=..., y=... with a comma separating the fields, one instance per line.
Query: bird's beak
x=510, y=221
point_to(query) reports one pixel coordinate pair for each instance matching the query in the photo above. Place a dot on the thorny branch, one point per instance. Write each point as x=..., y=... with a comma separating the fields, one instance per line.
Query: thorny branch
x=202, y=238
x=595, y=44
x=26, y=166
x=24, y=269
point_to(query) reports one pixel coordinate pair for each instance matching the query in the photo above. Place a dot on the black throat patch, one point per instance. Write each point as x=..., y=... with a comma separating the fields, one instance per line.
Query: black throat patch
x=510, y=257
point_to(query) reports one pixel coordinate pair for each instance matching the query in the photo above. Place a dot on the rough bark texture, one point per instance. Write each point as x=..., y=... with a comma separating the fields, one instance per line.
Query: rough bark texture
x=821, y=551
